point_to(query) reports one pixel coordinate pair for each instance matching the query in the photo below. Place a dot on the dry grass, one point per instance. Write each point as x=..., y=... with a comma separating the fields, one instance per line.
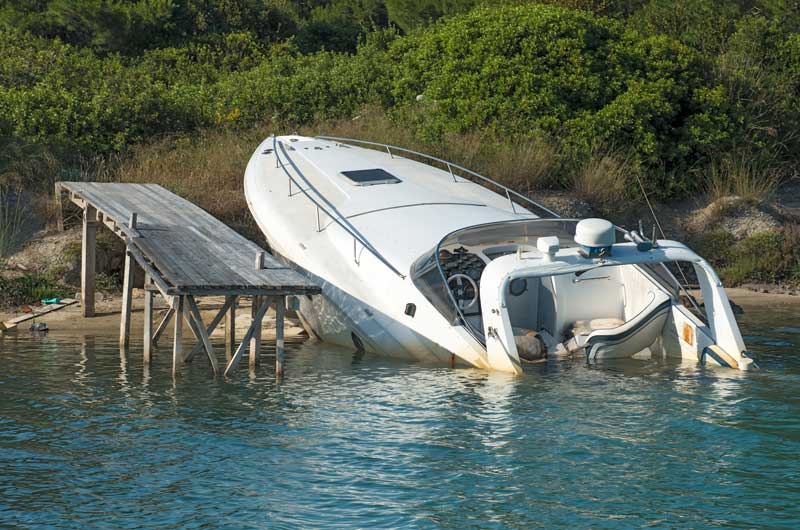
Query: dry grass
x=371, y=124
x=207, y=169
x=604, y=179
x=11, y=218
x=743, y=177
x=525, y=165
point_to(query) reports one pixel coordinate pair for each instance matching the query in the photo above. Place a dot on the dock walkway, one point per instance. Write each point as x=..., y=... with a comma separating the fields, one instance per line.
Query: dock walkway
x=185, y=252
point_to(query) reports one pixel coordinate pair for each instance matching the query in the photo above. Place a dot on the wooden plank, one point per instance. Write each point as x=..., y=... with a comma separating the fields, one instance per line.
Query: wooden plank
x=237, y=356
x=149, y=296
x=14, y=322
x=212, y=325
x=88, y=258
x=196, y=322
x=162, y=326
x=184, y=246
x=177, y=338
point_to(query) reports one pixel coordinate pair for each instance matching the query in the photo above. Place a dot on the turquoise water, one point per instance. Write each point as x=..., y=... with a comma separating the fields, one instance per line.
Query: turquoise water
x=89, y=439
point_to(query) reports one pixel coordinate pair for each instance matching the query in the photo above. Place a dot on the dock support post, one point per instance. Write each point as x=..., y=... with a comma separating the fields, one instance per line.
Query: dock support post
x=230, y=329
x=88, y=260
x=127, y=294
x=280, y=311
x=149, y=296
x=255, y=338
x=177, y=338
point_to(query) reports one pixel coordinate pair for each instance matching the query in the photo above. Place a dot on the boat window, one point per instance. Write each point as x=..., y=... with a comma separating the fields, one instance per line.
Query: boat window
x=370, y=177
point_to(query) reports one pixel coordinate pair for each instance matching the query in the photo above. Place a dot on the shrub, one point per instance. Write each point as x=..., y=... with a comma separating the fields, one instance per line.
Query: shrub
x=762, y=257
x=28, y=289
x=545, y=70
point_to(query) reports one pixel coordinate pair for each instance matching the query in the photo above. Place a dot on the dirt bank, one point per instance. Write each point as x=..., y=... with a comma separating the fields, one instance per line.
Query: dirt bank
x=70, y=321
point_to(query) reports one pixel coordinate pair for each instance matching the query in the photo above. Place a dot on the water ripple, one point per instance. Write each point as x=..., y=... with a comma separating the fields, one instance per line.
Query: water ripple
x=92, y=439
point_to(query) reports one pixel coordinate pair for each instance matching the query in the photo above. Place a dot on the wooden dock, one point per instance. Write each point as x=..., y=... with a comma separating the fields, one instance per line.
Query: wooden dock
x=185, y=253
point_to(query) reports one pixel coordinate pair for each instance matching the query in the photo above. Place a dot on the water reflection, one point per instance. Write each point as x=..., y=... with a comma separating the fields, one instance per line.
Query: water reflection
x=89, y=437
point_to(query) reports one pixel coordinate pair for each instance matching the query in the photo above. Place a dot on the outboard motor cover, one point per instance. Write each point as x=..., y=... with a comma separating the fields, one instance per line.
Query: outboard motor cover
x=595, y=236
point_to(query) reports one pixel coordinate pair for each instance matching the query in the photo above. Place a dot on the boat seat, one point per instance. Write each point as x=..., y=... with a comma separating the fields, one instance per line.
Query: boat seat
x=586, y=327
x=613, y=338
x=530, y=345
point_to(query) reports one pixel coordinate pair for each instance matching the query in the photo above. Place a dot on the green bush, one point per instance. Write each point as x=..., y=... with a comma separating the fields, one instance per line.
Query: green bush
x=541, y=69
x=28, y=289
x=671, y=88
x=133, y=26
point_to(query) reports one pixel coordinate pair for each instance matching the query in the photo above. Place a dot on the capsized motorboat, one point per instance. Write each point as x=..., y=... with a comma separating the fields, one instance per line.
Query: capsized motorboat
x=422, y=259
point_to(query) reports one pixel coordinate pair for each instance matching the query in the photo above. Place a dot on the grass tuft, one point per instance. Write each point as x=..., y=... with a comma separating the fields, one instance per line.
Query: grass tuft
x=11, y=218
x=744, y=177
x=604, y=179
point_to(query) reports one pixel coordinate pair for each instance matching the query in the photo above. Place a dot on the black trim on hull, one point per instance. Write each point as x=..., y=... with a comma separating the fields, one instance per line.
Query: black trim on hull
x=596, y=342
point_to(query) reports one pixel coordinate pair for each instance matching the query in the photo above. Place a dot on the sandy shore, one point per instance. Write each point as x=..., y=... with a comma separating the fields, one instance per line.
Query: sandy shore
x=69, y=320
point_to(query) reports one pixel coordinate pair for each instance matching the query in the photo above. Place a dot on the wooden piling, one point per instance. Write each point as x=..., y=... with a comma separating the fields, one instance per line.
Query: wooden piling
x=177, y=338
x=149, y=297
x=280, y=311
x=127, y=293
x=255, y=336
x=237, y=356
x=88, y=255
x=230, y=328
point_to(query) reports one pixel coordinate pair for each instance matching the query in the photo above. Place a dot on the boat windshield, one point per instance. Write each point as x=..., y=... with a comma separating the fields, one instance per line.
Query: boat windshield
x=491, y=241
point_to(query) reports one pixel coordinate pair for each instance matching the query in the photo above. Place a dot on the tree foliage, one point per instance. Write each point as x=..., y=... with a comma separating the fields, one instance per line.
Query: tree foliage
x=676, y=85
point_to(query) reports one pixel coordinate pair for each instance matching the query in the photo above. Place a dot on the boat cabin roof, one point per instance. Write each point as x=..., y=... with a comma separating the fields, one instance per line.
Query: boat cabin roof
x=400, y=205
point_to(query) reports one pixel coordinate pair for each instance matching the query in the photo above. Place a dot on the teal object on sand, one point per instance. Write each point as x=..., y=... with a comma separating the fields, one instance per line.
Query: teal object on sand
x=49, y=301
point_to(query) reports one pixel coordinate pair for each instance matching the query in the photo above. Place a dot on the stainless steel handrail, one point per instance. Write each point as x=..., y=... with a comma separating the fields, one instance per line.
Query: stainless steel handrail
x=450, y=166
x=341, y=221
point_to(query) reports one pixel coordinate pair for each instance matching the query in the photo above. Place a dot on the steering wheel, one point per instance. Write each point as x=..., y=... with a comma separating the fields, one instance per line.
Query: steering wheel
x=460, y=284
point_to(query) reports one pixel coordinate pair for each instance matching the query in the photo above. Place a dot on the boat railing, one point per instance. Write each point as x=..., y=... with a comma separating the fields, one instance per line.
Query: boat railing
x=323, y=206
x=451, y=166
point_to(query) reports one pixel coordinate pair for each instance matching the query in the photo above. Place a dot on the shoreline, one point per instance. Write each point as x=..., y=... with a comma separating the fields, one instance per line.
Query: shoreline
x=69, y=320
x=107, y=319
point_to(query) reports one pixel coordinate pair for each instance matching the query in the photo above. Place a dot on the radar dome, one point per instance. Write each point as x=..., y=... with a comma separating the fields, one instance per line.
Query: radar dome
x=595, y=236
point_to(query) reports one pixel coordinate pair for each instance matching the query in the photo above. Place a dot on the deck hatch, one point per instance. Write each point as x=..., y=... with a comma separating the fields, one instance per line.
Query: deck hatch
x=370, y=177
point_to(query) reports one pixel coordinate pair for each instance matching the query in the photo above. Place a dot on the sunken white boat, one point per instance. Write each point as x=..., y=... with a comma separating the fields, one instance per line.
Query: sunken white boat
x=424, y=260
